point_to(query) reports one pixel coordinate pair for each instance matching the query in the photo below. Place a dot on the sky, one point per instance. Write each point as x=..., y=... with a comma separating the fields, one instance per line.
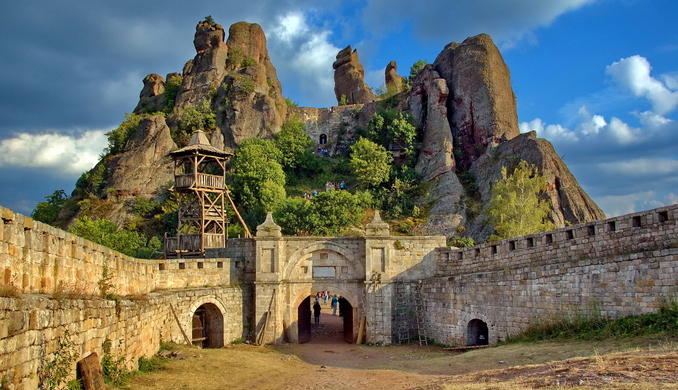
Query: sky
x=597, y=78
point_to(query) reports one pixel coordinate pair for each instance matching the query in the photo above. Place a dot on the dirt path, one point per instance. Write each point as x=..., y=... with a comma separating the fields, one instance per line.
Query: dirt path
x=323, y=365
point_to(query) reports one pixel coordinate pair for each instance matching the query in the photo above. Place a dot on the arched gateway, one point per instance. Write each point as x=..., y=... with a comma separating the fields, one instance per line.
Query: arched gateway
x=289, y=270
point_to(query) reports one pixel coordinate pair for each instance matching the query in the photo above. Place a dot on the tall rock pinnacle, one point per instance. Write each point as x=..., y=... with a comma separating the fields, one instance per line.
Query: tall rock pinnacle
x=349, y=83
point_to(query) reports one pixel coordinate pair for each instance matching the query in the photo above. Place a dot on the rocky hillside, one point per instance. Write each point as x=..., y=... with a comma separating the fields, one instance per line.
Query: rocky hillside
x=463, y=105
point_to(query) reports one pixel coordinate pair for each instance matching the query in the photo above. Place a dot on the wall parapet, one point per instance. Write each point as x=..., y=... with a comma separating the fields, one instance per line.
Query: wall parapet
x=654, y=229
x=39, y=258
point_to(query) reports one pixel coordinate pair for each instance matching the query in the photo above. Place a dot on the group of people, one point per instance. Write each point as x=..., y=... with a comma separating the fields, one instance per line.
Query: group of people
x=325, y=296
x=329, y=186
x=323, y=152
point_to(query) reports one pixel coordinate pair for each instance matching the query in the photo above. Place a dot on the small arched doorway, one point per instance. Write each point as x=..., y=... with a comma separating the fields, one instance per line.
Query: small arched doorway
x=477, y=333
x=208, y=326
x=333, y=327
x=323, y=139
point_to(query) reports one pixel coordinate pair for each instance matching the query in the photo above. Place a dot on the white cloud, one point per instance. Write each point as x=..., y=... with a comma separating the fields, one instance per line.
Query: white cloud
x=65, y=154
x=303, y=54
x=633, y=73
x=509, y=22
x=615, y=205
x=641, y=166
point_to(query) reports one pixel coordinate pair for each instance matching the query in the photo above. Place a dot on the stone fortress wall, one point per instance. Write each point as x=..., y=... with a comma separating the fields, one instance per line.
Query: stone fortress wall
x=618, y=266
x=56, y=276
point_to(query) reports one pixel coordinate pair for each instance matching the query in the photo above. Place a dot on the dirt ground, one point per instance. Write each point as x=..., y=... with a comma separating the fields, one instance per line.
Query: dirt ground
x=329, y=363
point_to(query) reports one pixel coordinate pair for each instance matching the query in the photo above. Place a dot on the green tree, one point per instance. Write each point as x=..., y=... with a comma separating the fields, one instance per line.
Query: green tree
x=329, y=213
x=198, y=117
x=258, y=179
x=292, y=142
x=48, y=211
x=117, y=138
x=416, y=68
x=516, y=208
x=172, y=86
x=390, y=128
x=370, y=163
x=106, y=233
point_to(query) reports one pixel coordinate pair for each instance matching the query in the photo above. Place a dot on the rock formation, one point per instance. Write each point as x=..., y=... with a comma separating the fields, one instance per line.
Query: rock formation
x=152, y=96
x=482, y=108
x=395, y=83
x=427, y=104
x=349, y=84
x=145, y=166
x=570, y=203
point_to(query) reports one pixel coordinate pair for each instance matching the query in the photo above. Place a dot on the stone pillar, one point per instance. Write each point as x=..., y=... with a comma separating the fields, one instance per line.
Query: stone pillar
x=378, y=288
x=268, y=304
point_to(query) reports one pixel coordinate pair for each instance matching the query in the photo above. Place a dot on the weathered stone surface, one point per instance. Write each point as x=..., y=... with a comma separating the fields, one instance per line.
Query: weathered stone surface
x=250, y=103
x=207, y=68
x=349, y=84
x=90, y=374
x=145, y=165
x=395, y=83
x=151, y=98
x=570, y=203
x=427, y=102
x=482, y=109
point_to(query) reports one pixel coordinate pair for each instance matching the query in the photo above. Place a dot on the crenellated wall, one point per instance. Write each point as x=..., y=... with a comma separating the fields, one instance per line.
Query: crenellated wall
x=618, y=266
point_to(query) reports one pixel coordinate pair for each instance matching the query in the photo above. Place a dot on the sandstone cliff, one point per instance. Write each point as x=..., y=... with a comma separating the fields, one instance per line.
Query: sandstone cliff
x=349, y=84
x=394, y=82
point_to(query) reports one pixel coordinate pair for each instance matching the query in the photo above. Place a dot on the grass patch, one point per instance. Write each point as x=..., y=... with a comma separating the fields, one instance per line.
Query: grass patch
x=151, y=364
x=596, y=327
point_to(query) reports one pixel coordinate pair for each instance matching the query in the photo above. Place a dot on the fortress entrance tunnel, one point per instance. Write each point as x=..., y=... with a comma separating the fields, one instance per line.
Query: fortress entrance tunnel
x=208, y=326
x=332, y=328
x=477, y=333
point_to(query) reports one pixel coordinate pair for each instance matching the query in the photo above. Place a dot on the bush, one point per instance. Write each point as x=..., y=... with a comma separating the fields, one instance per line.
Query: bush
x=91, y=182
x=172, y=86
x=329, y=213
x=151, y=364
x=593, y=326
x=107, y=233
x=370, y=163
x=198, y=117
x=392, y=128
x=416, y=68
x=118, y=137
x=292, y=142
x=461, y=242
x=48, y=211
x=113, y=369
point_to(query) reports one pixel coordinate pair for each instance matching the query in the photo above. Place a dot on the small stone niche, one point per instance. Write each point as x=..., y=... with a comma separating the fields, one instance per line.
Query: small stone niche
x=512, y=245
x=220, y=264
x=591, y=230
x=201, y=265
x=530, y=242
x=663, y=216
x=161, y=267
x=548, y=238
x=569, y=234
x=635, y=221
x=612, y=226
x=493, y=249
x=182, y=265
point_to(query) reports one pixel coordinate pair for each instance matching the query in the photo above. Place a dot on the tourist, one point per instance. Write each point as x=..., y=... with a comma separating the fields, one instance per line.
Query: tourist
x=326, y=295
x=335, y=302
x=316, y=312
x=342, y=185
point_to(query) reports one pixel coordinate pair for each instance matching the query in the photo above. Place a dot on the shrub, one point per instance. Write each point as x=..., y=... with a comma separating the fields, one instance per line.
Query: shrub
x=292, y=142
x=392, y=128
x=291, y=103
x=461, y=242
x=151, y=364
x=370, y=163
x=118, y=137
x=48, y=211
x=107, y=233
x=416, y=68
x=113, y=369
x=52, y=373
x=172, y=86
x=92, y=181
x=516, y=208
x=198, y=117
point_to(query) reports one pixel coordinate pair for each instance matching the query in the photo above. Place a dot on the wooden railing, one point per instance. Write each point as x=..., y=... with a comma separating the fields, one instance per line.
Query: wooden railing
x=214, y=240
x=203, y=180
x=190, y=243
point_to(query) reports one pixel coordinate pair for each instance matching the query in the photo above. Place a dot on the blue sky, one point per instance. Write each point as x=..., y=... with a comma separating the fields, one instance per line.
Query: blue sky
x=597, y=78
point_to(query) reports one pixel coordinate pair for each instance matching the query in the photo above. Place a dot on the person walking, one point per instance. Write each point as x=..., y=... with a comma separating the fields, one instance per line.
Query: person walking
x=316, y=312
x=335, y=302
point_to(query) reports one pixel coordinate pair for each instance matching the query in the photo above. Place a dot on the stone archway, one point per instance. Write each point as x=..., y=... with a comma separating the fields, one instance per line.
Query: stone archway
x=344, y=316
x=207, y=326
x=204, y=322
x=477, y=332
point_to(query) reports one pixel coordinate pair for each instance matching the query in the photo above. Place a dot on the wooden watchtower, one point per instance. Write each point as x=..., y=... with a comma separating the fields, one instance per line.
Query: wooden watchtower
x=200, y=181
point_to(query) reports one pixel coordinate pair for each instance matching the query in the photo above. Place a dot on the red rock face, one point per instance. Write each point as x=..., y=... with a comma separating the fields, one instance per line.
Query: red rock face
x=150, y=98
x=482, y=109
x=208, y=36
x=349, y=84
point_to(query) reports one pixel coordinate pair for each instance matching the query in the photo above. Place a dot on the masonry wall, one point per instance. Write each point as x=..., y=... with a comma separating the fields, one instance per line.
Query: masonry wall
x=619, y=266
x=31, y=326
